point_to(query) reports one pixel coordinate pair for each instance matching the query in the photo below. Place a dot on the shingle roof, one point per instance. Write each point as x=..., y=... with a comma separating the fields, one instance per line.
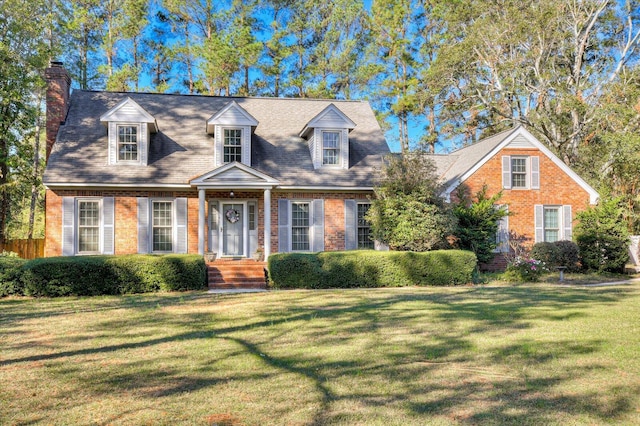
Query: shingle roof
x=452, y=166
x=182, y=150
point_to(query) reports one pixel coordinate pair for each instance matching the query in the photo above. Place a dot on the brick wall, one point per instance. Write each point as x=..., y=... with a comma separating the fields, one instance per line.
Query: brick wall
x=57, y=101
x=556, y=188
x=126, y=215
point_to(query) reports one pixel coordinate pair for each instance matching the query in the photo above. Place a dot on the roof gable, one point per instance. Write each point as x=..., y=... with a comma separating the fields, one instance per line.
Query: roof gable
x=231, y=114
x=128, y=110
x=330, y=117
x=517, y=138
x=234, y=175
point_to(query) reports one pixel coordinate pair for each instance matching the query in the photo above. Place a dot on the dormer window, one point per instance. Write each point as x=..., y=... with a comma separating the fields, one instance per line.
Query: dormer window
x=129, y=129
x=330, y=148
x=231, y=128
x=328, y=137
x=127, y=143
x=232, y=145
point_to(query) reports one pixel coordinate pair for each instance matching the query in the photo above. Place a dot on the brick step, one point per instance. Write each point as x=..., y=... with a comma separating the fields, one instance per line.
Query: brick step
x=233, y=273
x=229, y=286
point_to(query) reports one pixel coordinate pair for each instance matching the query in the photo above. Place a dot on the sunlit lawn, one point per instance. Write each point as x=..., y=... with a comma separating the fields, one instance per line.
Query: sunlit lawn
x=469, y=355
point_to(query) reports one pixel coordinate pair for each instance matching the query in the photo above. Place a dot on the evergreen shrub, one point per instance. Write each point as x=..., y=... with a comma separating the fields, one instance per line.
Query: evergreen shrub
x=99, y=275
x=10, y=272
x=368, y=269
x=559, y=253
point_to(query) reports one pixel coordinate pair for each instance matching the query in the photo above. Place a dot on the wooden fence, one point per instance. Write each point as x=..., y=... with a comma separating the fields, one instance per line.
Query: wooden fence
x=26, y=249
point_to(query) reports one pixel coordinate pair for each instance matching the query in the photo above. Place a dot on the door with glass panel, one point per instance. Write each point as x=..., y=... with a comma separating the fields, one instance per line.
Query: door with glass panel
x=233, y=229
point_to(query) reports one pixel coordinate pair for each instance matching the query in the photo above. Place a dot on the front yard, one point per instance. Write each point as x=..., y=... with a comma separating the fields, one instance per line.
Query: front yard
x=522, y=355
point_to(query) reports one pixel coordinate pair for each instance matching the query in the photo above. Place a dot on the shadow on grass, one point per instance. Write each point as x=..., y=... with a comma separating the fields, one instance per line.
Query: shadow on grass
x=326, y=321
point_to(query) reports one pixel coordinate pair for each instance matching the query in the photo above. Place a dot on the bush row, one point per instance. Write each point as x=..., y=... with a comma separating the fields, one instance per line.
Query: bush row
x=97, y=275
x=368, y=268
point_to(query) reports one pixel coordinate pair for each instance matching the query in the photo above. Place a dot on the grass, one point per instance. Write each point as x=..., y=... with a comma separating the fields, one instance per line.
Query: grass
x=467, y=355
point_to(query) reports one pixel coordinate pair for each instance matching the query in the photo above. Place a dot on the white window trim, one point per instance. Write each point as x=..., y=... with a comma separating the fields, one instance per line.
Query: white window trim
x=527, y=172
x=242, y=142
x=339, y=161
x=77, y=226
x=559, y=211
x=309, y=227
x=174, y=228
x=139, y=137
x=373, y=245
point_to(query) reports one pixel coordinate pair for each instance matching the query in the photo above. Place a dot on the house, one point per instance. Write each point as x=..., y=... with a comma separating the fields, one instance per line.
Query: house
x=159, y=173
x=541, y=193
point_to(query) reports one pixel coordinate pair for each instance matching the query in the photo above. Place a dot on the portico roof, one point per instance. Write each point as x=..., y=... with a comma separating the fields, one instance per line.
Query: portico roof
x=234, y=176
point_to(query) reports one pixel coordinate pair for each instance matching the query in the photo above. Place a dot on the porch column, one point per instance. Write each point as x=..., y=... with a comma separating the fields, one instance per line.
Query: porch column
x=267, y=223
x=201, y=217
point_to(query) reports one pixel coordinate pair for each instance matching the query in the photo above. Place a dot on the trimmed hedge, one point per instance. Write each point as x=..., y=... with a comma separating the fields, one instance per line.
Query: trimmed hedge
x=368, y=268
x=98, y=275
x=10, y=273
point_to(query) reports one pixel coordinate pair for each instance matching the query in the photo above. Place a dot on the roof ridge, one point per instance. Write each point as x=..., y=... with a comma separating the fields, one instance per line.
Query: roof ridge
x=507, y=132
x=199, y=95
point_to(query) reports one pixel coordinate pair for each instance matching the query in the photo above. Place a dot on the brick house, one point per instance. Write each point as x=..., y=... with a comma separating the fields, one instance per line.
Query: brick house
x=541, y=193
x=157, y=173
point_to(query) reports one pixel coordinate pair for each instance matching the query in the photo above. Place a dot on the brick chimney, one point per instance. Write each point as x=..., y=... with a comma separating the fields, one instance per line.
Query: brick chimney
x=58, y=87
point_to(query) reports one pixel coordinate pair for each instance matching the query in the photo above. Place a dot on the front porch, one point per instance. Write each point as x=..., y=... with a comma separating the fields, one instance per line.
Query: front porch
x=234, y=212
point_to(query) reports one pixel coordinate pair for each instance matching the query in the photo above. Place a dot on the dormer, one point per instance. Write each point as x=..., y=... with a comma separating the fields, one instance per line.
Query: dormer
x=231, y=128
x=130, y=128
x=328, y=136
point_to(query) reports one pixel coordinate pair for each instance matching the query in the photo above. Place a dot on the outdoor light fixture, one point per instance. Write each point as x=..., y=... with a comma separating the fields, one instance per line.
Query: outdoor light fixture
x=232, y=195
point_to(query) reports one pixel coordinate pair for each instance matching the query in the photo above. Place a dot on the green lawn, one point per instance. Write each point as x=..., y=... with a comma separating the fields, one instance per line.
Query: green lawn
x=469, y=355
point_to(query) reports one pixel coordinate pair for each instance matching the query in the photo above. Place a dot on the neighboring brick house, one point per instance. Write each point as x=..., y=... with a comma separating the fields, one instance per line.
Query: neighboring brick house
x=541, y=192
x=158, y=173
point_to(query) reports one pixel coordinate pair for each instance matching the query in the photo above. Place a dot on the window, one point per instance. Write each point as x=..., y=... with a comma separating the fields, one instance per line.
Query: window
x=364, y=227
x=232, y=145
x=551, y=224
x=330, y=148
x=162, y=221
x=88, y=226
x=300, y=227
x=127, y=143
x=252, y=217
x=518, y=172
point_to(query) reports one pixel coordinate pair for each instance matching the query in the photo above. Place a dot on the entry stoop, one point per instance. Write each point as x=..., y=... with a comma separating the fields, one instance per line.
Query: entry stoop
x=236, y=274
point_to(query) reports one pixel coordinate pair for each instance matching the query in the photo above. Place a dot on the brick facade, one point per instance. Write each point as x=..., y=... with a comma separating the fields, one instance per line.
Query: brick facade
x=126, y=215
x=556, y=188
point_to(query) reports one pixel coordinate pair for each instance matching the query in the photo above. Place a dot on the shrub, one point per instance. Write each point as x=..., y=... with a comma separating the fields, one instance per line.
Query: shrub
x=10, y=272
x=368, y=268
x=523, y=269
x=478, y=222
x=559, y=253
x=97, y=275
x=602, y=237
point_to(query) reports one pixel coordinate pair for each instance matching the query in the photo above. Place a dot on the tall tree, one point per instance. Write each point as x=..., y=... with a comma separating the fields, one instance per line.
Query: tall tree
x=395, y=41
x=24, y=51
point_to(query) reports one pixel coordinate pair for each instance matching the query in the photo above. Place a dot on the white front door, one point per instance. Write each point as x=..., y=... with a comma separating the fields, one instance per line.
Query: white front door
x=233, y=224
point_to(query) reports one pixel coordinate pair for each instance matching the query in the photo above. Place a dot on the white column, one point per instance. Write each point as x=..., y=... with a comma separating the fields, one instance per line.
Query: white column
x=201, y=217
x=267, y=223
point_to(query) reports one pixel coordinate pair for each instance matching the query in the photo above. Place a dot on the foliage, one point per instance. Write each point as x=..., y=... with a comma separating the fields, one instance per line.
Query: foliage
x=602, y=237
x=368, y=268
x=10, y=273
x=408, y=212
x=478, y=222
x=559, y=253
x=523, y=269
x=97, y=275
